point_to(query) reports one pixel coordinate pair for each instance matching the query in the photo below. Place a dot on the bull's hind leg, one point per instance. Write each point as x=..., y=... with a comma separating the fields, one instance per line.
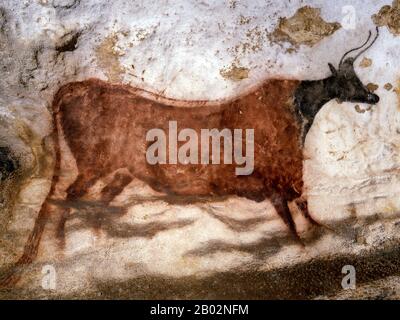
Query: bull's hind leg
x=302, y=204
x=108, y=194
x=80, y=187
x=281, y=206
x=116, y=186
x=74, y=192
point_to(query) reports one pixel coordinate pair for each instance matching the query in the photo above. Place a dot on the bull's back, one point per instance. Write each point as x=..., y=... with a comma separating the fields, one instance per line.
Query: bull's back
x=105, y=127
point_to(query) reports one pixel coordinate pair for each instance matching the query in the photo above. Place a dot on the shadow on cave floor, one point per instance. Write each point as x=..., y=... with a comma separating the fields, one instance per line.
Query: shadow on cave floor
x=302, y=281
x=97, y=215
x=306, y=280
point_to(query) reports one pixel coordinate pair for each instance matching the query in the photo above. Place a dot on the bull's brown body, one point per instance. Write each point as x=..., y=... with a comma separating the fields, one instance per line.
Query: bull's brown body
x=105, y=127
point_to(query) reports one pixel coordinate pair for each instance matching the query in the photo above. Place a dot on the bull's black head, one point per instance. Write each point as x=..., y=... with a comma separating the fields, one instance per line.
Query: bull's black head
x=346, y=86
x=343, y=84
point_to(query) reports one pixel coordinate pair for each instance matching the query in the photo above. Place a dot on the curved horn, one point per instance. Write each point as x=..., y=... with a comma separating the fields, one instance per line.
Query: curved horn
x=355, y=49
x=372, y=43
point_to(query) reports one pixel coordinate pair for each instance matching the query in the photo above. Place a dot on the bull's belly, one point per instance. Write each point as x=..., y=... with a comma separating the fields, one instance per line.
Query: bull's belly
x=215, y=180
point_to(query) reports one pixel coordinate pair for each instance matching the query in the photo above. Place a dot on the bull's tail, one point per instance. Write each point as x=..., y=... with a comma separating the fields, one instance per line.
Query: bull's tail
x=11, y=277
x=13, y=274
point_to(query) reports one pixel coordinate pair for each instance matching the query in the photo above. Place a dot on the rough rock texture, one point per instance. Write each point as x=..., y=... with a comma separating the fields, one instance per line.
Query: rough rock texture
x=305, y=27
x=389, y=16
x=233, y=248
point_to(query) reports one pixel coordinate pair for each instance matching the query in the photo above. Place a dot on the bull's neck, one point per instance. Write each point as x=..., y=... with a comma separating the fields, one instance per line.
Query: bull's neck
x=310, y=96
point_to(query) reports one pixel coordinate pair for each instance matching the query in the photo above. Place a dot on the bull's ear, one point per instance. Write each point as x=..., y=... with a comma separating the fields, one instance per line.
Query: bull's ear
x=333, y=70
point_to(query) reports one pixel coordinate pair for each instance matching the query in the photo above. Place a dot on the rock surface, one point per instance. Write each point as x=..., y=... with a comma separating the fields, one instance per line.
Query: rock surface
x=202, y=50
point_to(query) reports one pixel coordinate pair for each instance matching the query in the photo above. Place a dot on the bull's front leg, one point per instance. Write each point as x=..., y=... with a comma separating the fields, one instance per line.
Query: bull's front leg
x=302, y=205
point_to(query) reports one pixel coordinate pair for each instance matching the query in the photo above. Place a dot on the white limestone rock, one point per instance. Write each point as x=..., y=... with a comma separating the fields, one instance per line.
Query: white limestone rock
x=181, y=48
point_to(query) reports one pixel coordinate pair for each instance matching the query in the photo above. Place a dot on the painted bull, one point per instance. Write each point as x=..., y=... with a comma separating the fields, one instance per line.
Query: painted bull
x=105, y=126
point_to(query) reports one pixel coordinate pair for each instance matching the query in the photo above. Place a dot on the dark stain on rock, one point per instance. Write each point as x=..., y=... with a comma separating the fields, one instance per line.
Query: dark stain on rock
x=388, y=86
x=235, y=73
x=69, y=42
x=64, y=5
x=389, y=16
x=3, y=19
x=365, y=62
x=372, y=87
x=358, y=109
x=305, y=27
x=8, y=163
